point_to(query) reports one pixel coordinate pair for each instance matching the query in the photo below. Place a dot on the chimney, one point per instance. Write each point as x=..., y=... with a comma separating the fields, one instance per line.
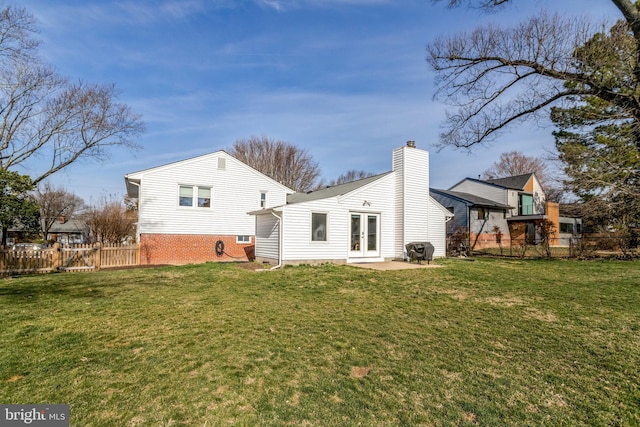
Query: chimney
x=62, y=220
x=411, y=167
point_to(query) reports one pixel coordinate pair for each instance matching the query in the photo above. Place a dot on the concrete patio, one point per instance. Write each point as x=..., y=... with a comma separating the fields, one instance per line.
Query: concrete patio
x=394, y=265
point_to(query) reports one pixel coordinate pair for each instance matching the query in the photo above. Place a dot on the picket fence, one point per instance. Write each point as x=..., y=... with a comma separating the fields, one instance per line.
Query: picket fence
x=68, y=258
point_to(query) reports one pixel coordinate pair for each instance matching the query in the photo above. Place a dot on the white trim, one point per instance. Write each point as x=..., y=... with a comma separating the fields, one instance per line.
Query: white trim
x=326, y=227
x=243, y=242
x=139, y=174
x=194, y=196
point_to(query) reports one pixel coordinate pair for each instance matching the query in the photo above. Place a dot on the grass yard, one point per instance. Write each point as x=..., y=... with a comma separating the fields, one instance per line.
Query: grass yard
x=490, y=342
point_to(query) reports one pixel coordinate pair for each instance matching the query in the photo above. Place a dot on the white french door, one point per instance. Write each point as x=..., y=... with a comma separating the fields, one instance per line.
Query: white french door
x=364, y=237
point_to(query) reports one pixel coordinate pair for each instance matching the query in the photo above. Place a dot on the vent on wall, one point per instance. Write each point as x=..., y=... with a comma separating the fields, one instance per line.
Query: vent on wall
x=222, y=163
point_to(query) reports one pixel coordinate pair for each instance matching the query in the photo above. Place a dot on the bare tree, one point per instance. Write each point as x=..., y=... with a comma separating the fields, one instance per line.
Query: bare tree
x=56, y=203
x=350, y=176
x=514, y=163
x=497, y=77
x=481, y=4
x=111, y=222
x=282, y=161
x=46, y=115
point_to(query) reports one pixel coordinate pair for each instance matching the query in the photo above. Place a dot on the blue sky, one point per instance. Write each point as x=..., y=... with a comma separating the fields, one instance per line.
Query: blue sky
x=345, y=79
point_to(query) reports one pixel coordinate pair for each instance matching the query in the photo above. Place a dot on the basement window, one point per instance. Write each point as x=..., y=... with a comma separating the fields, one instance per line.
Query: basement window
x=243, y=239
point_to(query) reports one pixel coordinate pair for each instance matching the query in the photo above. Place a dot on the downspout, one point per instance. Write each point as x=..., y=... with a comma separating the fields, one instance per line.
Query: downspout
x=468, y=230
x=279, y=242
x=138, y=210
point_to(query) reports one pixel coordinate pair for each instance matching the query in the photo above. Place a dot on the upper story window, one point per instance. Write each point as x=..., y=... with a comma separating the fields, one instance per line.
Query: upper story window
x=191, y=195
x=525, y=204
x=263, y=199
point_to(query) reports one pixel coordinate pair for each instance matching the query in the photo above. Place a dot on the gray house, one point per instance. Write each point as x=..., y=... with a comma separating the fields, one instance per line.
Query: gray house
x=484, y=220
x=505, y=211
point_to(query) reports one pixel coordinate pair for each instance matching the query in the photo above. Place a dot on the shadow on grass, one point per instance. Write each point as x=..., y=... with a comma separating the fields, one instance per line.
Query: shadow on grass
x=35, y=292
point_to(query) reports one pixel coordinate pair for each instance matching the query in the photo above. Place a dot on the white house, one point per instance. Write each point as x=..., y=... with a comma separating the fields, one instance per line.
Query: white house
x=363, y=221
x=196, y=210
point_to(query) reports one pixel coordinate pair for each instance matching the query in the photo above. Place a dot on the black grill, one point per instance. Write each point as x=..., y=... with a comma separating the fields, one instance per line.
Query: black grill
x=420, y=251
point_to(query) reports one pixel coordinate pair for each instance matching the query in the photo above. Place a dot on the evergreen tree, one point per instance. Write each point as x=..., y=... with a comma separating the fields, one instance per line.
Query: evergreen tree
x=18, y=208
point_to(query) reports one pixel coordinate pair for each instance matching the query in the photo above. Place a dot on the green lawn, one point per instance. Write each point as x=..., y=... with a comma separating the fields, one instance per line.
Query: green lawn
x=490, y=342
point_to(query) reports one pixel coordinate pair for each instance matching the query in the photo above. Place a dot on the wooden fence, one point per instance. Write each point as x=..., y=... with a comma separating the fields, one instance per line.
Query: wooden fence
x=68, y=258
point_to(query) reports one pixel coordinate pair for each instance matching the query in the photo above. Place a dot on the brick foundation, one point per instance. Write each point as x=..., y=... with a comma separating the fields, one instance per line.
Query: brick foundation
x=191, y=249
x=488, y=240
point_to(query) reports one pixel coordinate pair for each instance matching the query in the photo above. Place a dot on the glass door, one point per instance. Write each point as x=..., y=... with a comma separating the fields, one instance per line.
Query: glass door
x=364, y=240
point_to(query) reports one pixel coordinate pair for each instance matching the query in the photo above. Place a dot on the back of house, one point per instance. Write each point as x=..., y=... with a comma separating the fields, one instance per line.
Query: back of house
x=195, y=210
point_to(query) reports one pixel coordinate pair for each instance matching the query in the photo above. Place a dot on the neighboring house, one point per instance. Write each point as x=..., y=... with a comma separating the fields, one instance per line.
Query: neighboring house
x=67, y=231
x=569, y=230
x=196, y=210
x=362, y=221
x=485, y=220
x=520, y=205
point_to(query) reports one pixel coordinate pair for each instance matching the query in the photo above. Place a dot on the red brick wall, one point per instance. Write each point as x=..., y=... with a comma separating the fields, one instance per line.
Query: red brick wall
x=191, y=249
x=488, y=240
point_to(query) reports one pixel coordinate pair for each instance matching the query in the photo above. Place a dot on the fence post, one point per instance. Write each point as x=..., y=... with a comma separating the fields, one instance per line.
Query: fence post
x=98, y=257
x=56, y=256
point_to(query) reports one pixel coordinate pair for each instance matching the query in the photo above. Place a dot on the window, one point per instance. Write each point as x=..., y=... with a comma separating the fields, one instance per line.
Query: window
x=186, y=196
x=191, y=196
x=483, y=213
x=204, y=197
x=263, y=199
x=243, y=239
x=566, y=227
x=526, y=204
x=319, y=227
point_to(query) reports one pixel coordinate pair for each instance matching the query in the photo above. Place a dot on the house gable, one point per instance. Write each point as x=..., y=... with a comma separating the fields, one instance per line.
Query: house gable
x=234, y=189
x=371, y=195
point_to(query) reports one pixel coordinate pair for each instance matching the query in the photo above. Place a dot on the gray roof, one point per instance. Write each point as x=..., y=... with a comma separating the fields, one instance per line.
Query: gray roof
x=336, y=190
x=470, y=199
x=70, y=226
x=515, y=182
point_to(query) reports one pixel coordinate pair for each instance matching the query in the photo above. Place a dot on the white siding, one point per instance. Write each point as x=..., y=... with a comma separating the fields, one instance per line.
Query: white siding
x=297, y=244
x=512, y=200
x=480, y=189
x=539, y=197
x=380, y=198
x=398, y=168
x=437, y=228
x=235, y=191
x=412, y=197
x=267, y=236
